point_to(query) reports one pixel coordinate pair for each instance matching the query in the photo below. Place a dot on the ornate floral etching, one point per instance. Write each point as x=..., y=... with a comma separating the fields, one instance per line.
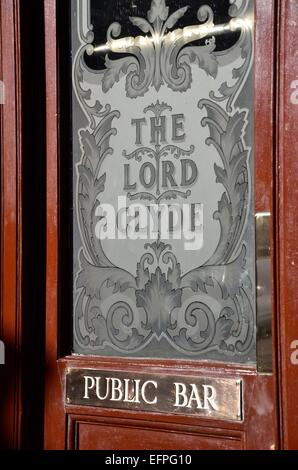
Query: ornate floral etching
x=209, y=308
x=162, y=56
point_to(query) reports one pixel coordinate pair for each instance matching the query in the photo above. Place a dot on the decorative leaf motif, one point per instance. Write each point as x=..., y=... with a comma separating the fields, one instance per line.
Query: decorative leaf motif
x=93, y=186
x=85, y=95
x=158, y=10
x=100, y=329
x=95, y=147
x=90, y=148
x=115, y=328
x=223, y=328
x=198, y=279
x=237, y=10
x=87, y=202
x=194, y=336
x=158, y=299
x=221, y=174
x=208, y=63
x=141, y=23
x=226, y=92
x=154, y=60
x=226, y=134
x=143, y=276
x=114, y=70
x=233, y=133
x=174, y=275
x=224, y=216
x=248, y=316
x=158, y=247
x=90, y=189
x=230, y=277
x=120, y=324
x=203, y=56
x=92, y=278
x=172, y=20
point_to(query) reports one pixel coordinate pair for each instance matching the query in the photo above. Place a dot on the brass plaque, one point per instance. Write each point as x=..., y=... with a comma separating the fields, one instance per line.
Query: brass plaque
x=198, y=396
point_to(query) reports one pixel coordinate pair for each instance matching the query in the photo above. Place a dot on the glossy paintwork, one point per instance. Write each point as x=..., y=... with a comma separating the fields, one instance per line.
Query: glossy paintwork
x=287, y=236
x=11, y=226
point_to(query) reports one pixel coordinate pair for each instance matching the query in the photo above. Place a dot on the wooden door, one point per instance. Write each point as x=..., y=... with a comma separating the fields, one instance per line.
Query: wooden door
x=206, y=380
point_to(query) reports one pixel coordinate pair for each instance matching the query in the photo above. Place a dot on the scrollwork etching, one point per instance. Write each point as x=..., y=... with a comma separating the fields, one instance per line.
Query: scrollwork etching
x=207, y=309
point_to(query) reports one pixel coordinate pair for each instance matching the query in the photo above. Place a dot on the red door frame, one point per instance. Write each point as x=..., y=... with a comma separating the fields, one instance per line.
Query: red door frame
x=287, y=234
x=11, y=209
x=55, y=415
x=11, y=225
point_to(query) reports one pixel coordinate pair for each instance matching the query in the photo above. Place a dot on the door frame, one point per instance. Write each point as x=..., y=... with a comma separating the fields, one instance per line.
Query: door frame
x=286, y=228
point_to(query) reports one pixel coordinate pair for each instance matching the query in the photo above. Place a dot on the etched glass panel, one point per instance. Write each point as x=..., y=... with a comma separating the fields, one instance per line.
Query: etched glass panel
x=164, y=249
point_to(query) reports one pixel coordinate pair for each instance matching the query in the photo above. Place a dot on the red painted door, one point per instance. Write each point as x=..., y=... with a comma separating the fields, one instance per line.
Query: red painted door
x=147, y=75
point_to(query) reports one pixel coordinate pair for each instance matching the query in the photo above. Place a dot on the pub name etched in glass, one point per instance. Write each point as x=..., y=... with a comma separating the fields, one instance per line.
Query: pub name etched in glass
x=163, y=164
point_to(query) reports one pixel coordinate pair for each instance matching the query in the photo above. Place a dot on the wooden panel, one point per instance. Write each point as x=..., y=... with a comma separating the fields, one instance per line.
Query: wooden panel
x=89, y=433
x=54, y=417
x=287, y=166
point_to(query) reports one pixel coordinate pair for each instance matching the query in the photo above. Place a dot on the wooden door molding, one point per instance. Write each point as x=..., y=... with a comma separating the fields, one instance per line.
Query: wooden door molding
x=287, y=197
x=63, y=424
x=54, y=409
x=11, y=225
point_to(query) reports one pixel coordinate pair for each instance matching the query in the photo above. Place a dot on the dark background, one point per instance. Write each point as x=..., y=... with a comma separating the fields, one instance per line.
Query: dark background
x=33, y=210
